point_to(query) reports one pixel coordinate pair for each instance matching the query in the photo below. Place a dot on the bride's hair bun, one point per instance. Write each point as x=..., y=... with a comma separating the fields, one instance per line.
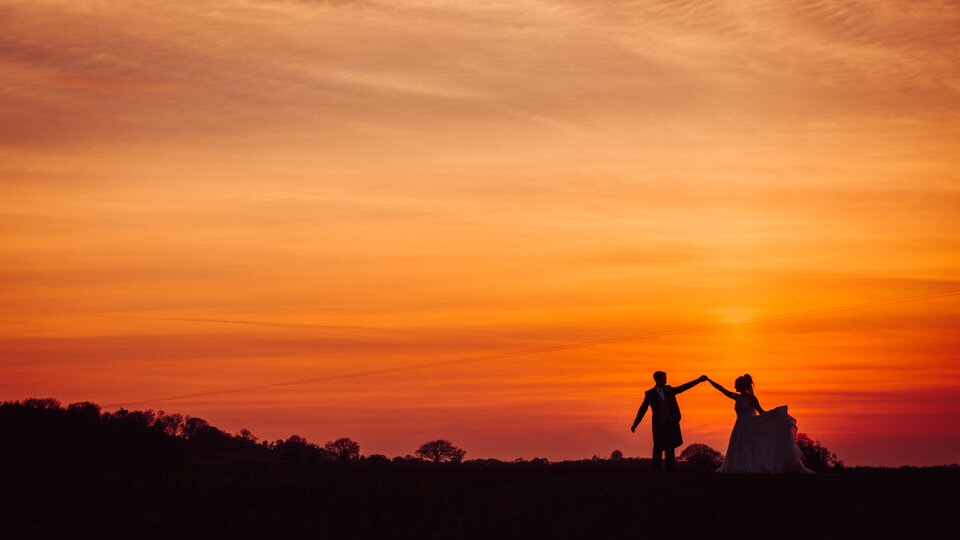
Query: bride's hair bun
x=744, y=382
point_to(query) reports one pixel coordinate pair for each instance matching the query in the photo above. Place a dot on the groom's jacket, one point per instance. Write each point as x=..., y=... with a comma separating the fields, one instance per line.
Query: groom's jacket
x=666, y=415
x=665, y=410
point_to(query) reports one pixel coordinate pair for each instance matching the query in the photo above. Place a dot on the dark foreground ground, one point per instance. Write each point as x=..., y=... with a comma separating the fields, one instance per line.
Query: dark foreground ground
x=604, y=500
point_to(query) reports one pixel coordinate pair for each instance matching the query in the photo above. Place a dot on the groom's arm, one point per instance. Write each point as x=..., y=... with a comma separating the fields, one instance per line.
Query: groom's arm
x=640, y=413
x=689, y=385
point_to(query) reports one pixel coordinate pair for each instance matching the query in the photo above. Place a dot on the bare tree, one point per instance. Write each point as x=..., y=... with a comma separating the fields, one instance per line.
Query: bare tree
x=42, y=403
x=169, y=424
x=245, y=435
x=441, y=450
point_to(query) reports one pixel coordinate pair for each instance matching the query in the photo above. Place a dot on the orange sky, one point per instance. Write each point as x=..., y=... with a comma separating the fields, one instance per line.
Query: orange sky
x=413, y=181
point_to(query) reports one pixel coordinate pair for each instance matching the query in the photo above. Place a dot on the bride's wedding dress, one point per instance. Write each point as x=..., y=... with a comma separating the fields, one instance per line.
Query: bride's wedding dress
x=764, y=443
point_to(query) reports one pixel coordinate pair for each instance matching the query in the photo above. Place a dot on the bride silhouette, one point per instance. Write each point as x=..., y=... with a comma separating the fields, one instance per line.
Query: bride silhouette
x=760, y=443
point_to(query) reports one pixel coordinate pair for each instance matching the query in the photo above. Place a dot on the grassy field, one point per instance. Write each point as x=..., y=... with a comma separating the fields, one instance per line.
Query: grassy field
x=566, y=500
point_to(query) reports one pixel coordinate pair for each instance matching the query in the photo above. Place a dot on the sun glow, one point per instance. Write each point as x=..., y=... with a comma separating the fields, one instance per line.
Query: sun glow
x=737, y=315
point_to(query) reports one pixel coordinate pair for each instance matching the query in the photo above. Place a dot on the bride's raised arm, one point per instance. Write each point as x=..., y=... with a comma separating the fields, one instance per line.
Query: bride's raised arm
x=723, y=390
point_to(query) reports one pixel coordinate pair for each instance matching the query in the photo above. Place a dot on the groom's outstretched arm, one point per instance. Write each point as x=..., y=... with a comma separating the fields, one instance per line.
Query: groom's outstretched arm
x=689, y=385
x=640, y=413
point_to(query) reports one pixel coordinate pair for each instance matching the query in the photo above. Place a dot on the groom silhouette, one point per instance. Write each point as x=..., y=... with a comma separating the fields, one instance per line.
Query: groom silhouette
x=662, y=400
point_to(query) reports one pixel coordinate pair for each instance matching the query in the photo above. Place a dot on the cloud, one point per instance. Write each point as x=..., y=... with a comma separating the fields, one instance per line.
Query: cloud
x=459, y=75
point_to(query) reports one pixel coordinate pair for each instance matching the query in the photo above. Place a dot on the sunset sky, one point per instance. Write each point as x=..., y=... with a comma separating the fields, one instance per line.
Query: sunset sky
x=200, y=196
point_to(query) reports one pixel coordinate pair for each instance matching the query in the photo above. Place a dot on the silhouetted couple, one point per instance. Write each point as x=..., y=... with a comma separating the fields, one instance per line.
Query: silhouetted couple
x=761, y=441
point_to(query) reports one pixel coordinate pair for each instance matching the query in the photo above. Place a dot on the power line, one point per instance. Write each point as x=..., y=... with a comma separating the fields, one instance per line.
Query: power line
x=552, y=348
x=259, y=323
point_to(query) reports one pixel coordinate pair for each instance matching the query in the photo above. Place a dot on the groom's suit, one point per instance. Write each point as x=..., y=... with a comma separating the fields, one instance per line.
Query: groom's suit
x=666, y=419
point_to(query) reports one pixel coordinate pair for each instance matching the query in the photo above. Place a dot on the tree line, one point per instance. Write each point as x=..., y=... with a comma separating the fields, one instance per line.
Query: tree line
x=42, y=430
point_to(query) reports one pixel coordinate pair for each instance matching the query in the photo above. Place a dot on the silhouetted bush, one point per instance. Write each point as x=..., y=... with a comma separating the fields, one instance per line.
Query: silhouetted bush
x=701, y=456
x=376, y=458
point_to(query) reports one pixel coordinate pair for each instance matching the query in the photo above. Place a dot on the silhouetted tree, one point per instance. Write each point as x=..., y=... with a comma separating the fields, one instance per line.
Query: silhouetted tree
x=211, y=437
x=245, y=435
x=441, y=450
x=139, y=420
x=84, y=417
x=296, y=448
x=816, y=456
x=343, y=449
x=616, y=455
x=41, y=403
x=84, y=409
x=168, y=424
x=192, y=426
x=701, y=456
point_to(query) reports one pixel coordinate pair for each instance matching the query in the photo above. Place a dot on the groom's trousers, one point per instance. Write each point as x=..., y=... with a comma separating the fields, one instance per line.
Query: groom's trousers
x=658, y=454
x=666, y=438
